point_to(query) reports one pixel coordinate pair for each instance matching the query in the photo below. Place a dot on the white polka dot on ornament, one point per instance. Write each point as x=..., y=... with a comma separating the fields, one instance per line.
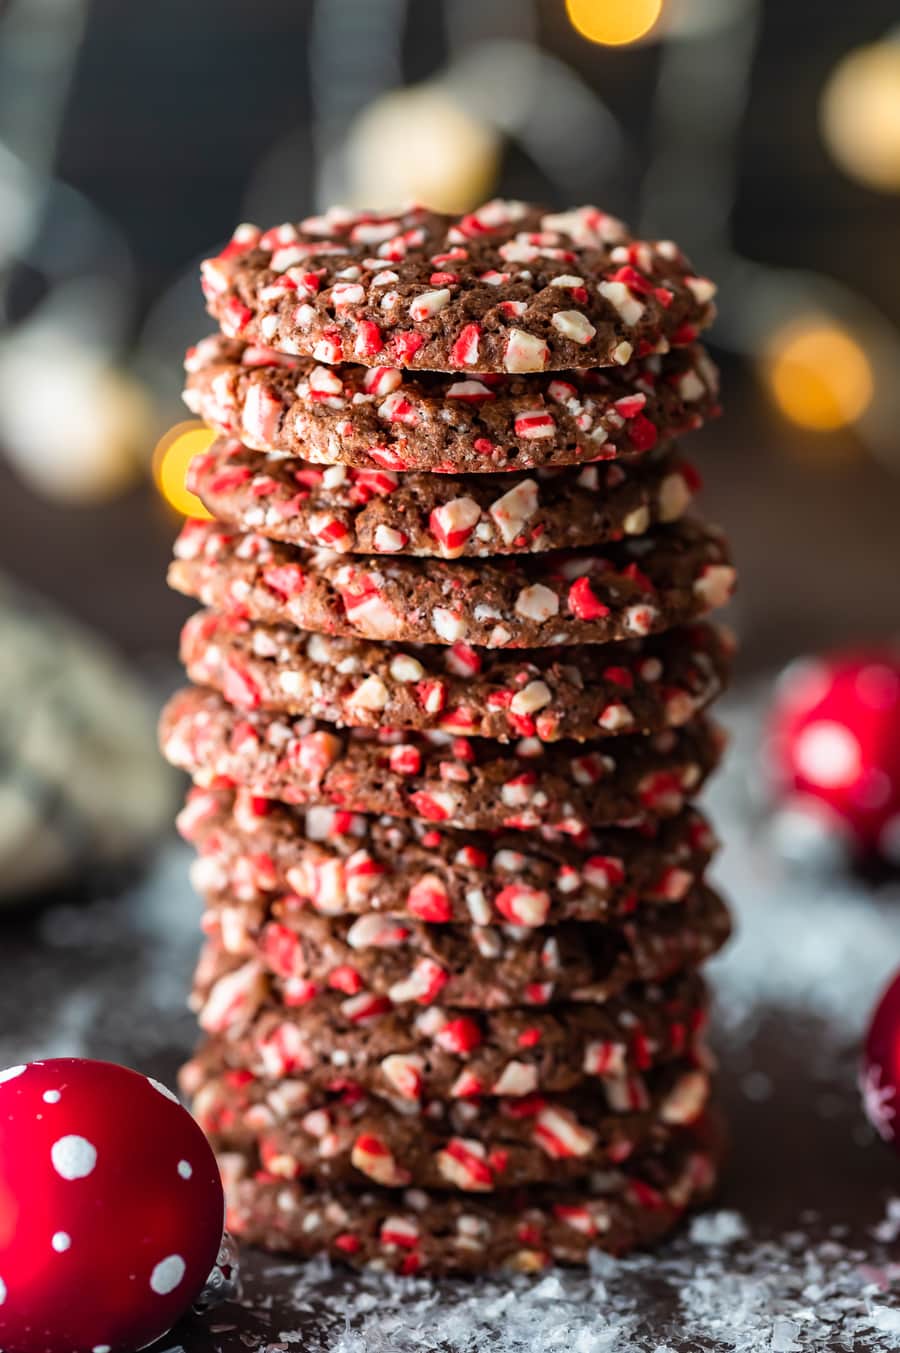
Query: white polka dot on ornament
x=73, y=1157
x=167, y=1274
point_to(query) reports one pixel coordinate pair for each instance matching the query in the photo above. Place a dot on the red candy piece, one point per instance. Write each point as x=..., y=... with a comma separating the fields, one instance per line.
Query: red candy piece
x=834, y=750
x=110, y=1208
x=583, y=601
x=880, y=1071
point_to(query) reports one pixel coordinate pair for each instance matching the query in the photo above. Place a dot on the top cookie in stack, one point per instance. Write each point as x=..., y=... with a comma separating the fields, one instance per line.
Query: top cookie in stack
x=507, y=288
x=445, y=440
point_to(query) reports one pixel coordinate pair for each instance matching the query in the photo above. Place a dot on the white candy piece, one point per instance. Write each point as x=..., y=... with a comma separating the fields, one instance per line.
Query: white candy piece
x=429, y=303
x=537, y=603
x=575, y=326
x=524, y=352
x=618, y=295
x=73, y=1157
x=167, y=1274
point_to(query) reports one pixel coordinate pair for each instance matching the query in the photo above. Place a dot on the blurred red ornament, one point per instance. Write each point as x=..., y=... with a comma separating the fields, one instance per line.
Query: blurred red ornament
x=834, y=749
x=880, y=1072
x=111, y=1208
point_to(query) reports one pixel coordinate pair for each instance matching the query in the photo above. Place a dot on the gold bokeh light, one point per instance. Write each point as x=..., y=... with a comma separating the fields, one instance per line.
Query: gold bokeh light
x=860, y=115
x=614, y=23
x=174, y=453
x=819, y=375
x=421, y=144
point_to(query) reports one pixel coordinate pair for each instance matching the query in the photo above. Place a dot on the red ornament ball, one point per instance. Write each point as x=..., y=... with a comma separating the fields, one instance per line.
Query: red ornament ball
x=111, y=1208
x=880, y=1071
x=834, y=749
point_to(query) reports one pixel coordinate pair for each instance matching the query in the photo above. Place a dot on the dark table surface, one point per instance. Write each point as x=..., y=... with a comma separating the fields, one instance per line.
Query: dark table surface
x=799, y=1252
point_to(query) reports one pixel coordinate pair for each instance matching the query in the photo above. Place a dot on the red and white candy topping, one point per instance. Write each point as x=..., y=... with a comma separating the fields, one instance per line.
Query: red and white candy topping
x=111, y=1208
x=417, y=289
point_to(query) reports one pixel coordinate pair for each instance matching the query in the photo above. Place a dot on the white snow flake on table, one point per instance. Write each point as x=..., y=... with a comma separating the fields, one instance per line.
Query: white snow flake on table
x=721, y=1292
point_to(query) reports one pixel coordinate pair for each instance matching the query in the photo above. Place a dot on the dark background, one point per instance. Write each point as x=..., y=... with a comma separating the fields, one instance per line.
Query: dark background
x=173, y=106
x=171, y=109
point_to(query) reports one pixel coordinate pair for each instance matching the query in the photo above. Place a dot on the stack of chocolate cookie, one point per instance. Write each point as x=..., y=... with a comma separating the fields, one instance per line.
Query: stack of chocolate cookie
x=449, y=713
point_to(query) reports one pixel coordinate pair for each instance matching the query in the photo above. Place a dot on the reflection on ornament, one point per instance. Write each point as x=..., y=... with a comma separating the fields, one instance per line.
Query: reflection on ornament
x=419, y=144
x=611, y=22
x=72, y=424
x=819, y=375
x=174, y=453
x=860, y=115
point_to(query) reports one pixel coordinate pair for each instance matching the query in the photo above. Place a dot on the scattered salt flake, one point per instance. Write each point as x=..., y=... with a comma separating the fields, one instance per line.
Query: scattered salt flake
x=549, y=1289
x=717, y=1228
x=886, y=1319
x=784, y=1336
x=788, y=1295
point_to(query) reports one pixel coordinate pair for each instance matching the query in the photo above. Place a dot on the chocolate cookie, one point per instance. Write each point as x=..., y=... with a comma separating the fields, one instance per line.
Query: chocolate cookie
x=378, y=512
x=344, y=863
x=476, y=1146
x=508, y=287
x=577, y=692
x=469, y=783
x=442, y=1233
x=299, y=957
x=405, y=1054
x=388, y=419
x=640, y=586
